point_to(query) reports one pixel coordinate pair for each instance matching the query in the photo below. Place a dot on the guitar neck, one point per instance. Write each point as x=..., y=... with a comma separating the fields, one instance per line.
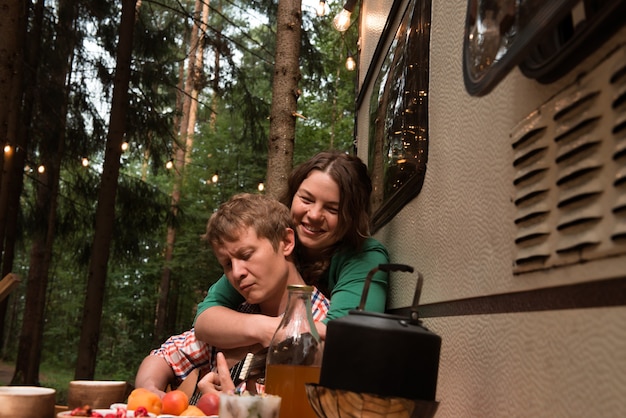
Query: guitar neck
x=251, y=367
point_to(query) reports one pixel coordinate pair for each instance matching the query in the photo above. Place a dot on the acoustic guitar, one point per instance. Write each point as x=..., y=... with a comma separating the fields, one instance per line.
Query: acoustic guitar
x=251, y=368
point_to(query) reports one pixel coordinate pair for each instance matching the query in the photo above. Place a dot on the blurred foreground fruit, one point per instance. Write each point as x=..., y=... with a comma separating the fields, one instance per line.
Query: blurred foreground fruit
x=192, y=411
x=143, y=397
x=174, y=402
x=209, y=403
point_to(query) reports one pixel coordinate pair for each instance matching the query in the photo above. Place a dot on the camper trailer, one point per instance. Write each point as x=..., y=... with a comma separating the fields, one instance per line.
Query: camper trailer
x=495, y=135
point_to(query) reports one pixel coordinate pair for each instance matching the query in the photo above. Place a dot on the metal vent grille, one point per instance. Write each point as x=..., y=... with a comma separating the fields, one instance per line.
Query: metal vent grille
x=570, y=182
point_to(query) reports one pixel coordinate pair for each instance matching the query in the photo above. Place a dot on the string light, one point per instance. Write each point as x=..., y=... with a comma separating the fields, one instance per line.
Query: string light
x=261, y=186
x=342, y=20
x=85, y=161
x=169, y=164
x=321, y=8
x=41, y=169
x=350, y=62
x=124, y=146
x=215, y=177
x=7, y=149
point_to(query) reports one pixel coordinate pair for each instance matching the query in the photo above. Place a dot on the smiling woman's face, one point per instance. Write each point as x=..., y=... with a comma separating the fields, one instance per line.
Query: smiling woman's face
x=315, y=211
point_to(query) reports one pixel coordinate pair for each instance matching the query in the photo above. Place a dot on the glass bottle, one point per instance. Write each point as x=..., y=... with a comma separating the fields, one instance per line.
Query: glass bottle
x=295, y=355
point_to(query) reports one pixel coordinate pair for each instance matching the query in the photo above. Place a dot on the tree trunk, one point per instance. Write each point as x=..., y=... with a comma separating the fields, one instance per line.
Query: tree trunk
x=193, y=85
x=52, y=144
x=12, y=30
x=285, y=93
x=216, y=84
x=105, y=211
x=12, y=24
x=216, y=69
x=197, y=80
x=24, y=129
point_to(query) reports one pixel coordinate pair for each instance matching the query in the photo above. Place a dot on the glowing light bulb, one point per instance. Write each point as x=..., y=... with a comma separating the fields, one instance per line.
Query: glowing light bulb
x=321, y=8
x=215, y=178
x=7, y=149
x=169, y=164
x=124, y=146
x=350, y=62
x=261, y=186
x=41, y=169
x=85, y=162
x=342, y=20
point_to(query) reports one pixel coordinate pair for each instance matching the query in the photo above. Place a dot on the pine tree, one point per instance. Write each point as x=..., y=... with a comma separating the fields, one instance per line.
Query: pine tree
x=105, y=212
x=285, y=93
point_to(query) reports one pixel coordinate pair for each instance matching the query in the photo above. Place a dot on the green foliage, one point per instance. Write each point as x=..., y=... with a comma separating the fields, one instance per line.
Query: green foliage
x=230, y=140
x=58, y=378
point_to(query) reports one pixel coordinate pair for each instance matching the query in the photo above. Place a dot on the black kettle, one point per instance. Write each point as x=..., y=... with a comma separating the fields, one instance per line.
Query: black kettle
x=382, y=354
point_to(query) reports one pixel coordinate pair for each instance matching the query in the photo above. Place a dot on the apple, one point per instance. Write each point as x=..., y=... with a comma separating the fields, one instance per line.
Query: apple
x=209, y=403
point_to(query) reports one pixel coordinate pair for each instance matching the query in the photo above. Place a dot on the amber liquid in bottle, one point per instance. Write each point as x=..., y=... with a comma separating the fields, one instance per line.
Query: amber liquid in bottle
x=295, y=355
x=288, y=382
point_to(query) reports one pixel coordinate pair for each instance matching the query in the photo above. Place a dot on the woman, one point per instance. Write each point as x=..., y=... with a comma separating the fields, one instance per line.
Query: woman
x=329, y=200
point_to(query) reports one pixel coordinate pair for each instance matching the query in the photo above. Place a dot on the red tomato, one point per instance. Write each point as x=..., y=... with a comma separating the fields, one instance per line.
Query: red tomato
x=209, y=403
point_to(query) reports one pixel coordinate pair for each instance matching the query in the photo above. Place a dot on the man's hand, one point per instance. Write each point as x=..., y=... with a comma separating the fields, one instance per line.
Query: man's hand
x=218, y=380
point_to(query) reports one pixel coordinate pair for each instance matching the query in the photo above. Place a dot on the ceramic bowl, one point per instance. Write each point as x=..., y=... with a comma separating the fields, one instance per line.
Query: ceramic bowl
x=27, y=402
x=95, y=393
x=331, y=403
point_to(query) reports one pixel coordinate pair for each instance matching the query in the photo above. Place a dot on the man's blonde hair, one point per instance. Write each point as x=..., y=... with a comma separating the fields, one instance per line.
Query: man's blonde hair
x=269, y=218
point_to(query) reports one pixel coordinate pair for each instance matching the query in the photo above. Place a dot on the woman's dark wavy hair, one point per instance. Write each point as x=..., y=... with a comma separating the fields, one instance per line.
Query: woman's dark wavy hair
x=355, y=189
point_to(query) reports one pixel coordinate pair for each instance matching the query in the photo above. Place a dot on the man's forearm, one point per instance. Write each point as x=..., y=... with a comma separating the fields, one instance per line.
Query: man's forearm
x=226, y=328
x=154, y=374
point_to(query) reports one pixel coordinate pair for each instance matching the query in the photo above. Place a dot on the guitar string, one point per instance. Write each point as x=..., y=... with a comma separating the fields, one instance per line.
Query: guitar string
x=234, y=373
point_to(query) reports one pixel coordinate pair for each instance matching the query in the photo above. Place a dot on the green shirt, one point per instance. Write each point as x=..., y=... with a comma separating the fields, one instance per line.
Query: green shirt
x=345, y=277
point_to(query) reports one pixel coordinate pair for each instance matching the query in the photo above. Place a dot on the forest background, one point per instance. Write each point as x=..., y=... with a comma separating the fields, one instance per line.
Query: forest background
x=191, y=129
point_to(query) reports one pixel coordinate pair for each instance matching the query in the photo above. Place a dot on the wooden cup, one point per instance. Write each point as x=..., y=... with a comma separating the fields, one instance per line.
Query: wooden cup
x=27, y=402
x=95, y=393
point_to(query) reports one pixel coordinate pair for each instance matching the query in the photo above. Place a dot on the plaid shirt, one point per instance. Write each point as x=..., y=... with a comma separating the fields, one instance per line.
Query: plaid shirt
x=184, y=352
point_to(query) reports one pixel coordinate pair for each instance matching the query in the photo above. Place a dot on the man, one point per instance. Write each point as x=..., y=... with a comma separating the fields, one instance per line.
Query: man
x=253, y=239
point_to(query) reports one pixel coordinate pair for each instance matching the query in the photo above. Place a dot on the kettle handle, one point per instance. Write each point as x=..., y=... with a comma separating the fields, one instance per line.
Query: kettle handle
x=388, y=268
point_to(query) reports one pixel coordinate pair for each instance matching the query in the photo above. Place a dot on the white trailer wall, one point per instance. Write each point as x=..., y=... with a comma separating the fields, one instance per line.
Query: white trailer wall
x=459, y=232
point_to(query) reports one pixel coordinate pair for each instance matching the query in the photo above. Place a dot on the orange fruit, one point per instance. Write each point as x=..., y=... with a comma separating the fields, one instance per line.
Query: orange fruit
x=143, y=397
x=192, y=411
x=174, y=402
